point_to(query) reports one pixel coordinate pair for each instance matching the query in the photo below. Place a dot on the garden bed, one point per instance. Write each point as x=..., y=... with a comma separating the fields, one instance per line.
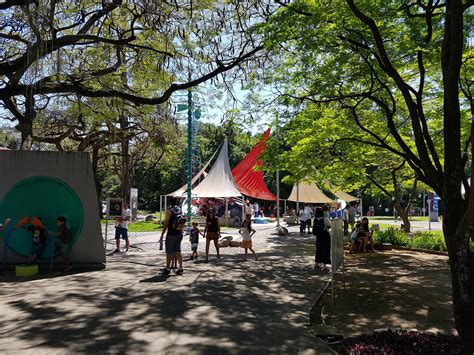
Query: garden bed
x=400, y=341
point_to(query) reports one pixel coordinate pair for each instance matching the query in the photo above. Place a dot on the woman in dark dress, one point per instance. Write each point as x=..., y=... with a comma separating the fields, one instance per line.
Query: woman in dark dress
x=212, y=231
x=323, y=239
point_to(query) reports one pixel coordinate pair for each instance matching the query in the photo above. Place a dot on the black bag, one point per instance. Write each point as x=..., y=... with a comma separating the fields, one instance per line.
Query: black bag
x=177, y=219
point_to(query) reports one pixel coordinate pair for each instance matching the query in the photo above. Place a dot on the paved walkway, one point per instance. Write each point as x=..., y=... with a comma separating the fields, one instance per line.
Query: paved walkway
x=226, y=307
x=391, y=289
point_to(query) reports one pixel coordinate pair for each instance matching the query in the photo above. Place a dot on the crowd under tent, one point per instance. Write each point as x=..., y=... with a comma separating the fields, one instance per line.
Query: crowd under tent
x=248, y=175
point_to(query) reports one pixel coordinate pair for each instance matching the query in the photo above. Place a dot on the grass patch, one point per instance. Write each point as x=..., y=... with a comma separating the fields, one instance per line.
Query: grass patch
x=144, y=226
x=390, y=218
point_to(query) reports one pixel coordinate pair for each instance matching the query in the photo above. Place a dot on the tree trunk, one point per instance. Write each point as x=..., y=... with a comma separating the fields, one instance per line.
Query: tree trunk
x=26, y=130
x=98, y=184
x=462, y=277
x=25, y=125
x=403, y=215
x=457, y=227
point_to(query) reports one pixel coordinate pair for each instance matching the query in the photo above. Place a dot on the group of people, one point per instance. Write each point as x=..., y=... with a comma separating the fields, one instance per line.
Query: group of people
x=361, y=236
x=38, y=237
x=173, y=227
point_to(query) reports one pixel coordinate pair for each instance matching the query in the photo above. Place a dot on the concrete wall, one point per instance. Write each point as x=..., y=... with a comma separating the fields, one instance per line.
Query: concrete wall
x=75, y=169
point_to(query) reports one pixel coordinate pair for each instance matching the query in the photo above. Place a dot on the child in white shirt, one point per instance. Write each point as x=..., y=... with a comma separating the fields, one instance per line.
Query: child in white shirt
x=247, y=232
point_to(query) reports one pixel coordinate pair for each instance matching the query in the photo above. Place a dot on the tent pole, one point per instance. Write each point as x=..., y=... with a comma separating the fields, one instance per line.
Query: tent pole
x=284, y=206
x=297, y=198
x=166, y=204
x=243, y=209
x=161, y=209
x=277, y=176
x=226, y=211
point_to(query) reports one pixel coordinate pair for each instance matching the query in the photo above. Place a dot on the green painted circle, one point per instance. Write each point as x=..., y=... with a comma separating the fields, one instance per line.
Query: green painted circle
x=47, y=198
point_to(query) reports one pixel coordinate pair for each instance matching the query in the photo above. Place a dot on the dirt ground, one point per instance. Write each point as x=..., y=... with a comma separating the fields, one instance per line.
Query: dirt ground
x=390, y=289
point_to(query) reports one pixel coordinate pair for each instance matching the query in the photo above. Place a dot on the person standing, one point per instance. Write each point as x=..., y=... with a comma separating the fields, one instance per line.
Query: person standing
x=256, y=209
x=173, y=227
x=351, y=216
x=302, y=218
x=345, y=220
x=212, y=232
x=304, y=215
x=326, y=211
x=247, y=232
x=121, y=227
x=194, y=240
x=308, y=211
x=248, y=211
x=321, y=227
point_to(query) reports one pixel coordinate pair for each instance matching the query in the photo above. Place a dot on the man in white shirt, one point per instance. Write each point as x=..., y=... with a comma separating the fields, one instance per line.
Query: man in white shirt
x=345, y=219
x=256, y=210
x=305, y=218
x=121, y=227
x=248, y=211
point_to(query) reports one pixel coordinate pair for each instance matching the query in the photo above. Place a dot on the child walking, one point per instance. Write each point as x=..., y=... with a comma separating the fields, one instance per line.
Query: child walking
x=38, y=242
x=247, y=232
x=194, y=239
x=65, y=238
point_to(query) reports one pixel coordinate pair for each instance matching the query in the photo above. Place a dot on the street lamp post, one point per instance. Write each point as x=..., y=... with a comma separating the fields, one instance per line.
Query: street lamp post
x=190, y=154
x=277, y=175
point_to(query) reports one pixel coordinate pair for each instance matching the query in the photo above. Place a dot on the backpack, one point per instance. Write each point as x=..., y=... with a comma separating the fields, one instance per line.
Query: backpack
x=177, y=219
x=319, y=225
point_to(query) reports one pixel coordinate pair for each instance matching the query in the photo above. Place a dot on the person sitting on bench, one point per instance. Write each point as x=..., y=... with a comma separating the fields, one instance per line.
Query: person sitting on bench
x=358, y=240
x=365, y=227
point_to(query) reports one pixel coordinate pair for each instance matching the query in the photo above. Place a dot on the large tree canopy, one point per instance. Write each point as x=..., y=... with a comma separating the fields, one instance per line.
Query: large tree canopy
x=394, y=69
x=140, y=51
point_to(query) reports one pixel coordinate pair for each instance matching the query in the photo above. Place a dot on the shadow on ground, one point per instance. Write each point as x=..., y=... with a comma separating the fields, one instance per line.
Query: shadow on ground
x=230, y=306
x=395, y=289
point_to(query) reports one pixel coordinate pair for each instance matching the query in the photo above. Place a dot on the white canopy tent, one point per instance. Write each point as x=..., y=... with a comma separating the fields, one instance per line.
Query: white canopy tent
x=181, y=192
x=219, y=182
x=308, y=192
x=345, y=196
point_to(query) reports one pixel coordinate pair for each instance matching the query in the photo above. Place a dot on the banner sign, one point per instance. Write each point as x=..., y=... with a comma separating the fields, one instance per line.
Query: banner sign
x=337, y=244
x=114, y=207
x=134, y=203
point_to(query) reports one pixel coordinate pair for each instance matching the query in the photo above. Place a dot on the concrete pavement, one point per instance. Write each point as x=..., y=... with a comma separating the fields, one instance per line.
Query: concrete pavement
x=227, y=307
